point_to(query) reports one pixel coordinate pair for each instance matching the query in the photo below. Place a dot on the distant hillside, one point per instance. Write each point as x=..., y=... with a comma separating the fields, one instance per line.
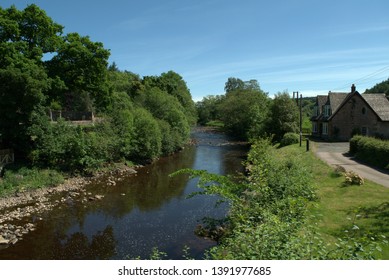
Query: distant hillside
x=382, y=87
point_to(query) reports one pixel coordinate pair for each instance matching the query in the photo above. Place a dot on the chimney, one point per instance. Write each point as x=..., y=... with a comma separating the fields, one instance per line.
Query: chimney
x=352, y=88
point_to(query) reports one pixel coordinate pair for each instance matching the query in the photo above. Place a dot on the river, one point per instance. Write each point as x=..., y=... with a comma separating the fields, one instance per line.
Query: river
x=141, y=212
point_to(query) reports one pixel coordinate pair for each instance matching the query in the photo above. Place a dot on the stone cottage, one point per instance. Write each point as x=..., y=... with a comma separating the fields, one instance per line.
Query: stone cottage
x=339, y=115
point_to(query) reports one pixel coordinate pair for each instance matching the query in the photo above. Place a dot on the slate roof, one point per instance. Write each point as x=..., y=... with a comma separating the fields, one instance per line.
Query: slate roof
x=335, y=99
x=379, y=103
x=320, y=101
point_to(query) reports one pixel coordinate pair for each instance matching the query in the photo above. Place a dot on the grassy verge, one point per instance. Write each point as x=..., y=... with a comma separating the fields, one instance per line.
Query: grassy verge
x=339, y=207
x=216, y=123
x=20, y=178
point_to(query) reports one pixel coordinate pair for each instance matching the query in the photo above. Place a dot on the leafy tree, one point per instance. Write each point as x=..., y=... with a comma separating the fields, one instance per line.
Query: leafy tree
x=382, y=87
x=82, y=65
x=22, y=86
x=233, y=84
x=127, y=82
x=166, y=107
x=35, y=32
x=208, y=109
x=148, y=138
x=284, y=115
x=173, y=84
x=245, y=113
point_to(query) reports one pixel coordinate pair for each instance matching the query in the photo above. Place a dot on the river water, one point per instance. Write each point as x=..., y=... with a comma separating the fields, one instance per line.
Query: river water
x=139, y=213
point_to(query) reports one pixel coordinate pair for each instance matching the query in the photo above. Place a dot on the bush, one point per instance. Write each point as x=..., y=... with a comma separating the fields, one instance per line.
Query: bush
x=289, y=139
x=352, y=178
x=371, y=150
x=147, y=142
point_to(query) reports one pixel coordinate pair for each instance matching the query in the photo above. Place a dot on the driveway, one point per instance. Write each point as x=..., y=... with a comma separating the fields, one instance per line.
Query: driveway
x=336, y=154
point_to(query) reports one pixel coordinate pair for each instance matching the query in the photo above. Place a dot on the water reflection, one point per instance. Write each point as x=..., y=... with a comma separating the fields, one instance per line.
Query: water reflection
x=139, y=213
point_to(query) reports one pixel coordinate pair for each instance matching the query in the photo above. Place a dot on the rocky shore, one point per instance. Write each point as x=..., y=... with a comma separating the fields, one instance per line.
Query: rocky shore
x=20, y=213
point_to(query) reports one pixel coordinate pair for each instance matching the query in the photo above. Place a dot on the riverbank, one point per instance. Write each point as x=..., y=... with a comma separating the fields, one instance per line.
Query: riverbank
x=19, y=211
x=294, y=206
x=142, y=211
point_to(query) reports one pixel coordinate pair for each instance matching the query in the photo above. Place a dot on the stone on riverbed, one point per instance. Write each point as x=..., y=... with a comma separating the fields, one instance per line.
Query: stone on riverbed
x=3, y=241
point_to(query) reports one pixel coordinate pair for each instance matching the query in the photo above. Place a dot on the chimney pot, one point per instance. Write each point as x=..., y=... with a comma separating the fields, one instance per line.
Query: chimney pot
x=353, y=88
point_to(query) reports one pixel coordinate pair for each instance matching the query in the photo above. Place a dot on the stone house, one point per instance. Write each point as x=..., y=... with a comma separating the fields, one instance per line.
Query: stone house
x=339, y=115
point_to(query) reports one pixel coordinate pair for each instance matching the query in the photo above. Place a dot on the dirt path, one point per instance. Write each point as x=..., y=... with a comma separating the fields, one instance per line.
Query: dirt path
x=336, y=154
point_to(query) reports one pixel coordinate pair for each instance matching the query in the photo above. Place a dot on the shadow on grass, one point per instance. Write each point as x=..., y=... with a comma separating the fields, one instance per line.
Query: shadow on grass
x=371, y=221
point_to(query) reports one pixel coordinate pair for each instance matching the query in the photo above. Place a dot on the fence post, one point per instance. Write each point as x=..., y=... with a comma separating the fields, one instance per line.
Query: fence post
x=307, y=145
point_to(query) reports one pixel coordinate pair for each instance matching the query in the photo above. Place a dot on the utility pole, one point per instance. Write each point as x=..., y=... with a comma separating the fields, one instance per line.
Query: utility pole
x=301, y=119
x=299, y=104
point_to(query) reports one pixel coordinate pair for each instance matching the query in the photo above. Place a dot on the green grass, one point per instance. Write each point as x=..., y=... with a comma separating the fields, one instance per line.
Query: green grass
x=20, y=178
x=215, y=123
x=340, y=207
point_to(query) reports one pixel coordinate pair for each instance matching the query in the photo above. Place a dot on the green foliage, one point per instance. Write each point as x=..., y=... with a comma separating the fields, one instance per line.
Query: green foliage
x=139, y=119
x=284, y=116
x=22, y=83
x=245, y=113
x=173, y=84
x=82, y=65
x=208, y=109
x=147, y=142
x=269, y=215
x=382, y=87
x=19, y=179
x=166, y=107
x=371, y=150
x=289, y=139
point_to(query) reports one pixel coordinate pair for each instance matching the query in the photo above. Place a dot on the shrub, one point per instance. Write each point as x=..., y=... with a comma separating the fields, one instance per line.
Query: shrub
x=371, y=150
x=289, y=139
x=147, y=142
x=352, y=178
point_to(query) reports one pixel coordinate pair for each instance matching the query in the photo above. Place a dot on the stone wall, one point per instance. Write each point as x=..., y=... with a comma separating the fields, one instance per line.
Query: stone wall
x=354, y=116
x=71, y=115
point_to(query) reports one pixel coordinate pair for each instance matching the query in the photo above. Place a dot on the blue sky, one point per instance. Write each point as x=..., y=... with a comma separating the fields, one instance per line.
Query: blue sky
x=297, y=45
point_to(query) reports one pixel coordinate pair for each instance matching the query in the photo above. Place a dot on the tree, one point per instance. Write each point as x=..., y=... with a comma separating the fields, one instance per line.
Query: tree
x=284, y=115
x=245, y=113
x=35, y=32
x=174, y=84
x=167, y=108
x=208, y=109
x=82, y=65
x=233, y=84
x=382, y=87
x=22, y=87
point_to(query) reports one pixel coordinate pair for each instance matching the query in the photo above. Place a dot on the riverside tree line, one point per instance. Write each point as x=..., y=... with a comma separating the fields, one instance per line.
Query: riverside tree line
x=141, y=118
x=41, y=68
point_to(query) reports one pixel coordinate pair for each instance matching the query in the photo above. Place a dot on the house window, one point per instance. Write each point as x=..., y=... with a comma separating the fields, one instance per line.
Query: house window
x=314, y=127
x=363, y=111
x=315, y=111
x=325, y=128
x=327, y=110
x=364, y=131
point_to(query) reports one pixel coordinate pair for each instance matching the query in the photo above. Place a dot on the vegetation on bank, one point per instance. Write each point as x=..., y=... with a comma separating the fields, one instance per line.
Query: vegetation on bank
x=43, y=69
x=247, y=112
x=370, y=150
x=293, y=206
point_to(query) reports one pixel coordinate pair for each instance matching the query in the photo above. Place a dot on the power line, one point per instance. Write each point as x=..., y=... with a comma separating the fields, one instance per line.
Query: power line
x=367, y=78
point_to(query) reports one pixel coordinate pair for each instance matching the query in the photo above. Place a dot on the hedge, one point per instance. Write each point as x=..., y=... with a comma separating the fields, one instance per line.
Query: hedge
x=370, y=150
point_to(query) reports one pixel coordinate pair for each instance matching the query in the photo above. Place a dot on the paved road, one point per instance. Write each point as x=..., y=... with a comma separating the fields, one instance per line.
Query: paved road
x=336, y=154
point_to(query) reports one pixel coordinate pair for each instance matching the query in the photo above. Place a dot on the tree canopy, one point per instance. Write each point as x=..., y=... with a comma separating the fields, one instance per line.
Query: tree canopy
x=382, y=87
x=41, y=68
